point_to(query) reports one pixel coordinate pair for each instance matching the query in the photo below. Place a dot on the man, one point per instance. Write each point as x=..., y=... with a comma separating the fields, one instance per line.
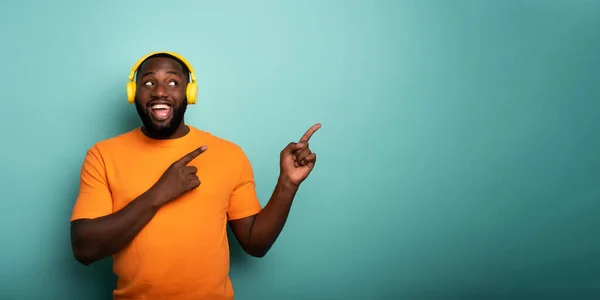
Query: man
x=159, y=197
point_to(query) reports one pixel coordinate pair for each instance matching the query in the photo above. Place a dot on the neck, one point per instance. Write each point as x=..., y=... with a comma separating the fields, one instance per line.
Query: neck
x=181, y=131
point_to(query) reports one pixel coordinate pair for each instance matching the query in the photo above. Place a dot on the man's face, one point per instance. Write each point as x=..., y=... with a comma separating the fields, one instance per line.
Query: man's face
x=160, y=96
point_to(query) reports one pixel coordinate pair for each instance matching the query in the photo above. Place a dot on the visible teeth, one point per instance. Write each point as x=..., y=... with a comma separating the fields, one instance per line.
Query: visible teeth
x=160, y=106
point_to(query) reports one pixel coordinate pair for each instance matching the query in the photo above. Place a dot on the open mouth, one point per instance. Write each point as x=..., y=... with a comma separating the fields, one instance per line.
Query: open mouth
x=161, y=111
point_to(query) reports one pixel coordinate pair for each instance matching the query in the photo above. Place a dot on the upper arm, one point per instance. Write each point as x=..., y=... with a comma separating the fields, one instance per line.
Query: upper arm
x=94, y=199
x=241, y=229
x=243, y=201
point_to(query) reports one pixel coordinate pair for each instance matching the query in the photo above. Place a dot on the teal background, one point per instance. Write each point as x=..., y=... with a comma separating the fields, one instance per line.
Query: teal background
x=458, y=158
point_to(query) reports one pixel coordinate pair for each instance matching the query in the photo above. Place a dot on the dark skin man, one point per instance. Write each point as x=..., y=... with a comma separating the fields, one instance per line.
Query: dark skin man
x=161, y=105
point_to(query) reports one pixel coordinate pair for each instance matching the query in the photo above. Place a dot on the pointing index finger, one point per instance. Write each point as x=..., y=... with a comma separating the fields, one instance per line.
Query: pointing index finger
x=310, y=132
x=190, y=156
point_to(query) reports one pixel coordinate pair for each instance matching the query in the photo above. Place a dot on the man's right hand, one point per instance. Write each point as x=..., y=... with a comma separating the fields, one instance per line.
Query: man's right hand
x=94, y=239
x=179, y=178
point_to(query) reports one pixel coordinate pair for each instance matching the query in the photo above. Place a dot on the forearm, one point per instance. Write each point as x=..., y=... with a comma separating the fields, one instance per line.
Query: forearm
x=94, y=239
x=270, y=221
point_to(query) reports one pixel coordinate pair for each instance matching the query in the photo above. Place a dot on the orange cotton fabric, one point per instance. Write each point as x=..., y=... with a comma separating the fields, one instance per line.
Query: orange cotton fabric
x=183, y=252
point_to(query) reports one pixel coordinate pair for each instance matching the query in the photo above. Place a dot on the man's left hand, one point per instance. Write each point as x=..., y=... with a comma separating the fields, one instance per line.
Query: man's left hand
x=297, y=160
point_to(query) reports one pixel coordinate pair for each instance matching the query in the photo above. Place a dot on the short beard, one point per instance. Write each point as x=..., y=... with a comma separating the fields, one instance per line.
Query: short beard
x=162, y=131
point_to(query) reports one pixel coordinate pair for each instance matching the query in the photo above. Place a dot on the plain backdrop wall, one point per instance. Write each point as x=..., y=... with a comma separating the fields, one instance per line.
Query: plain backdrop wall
x=459, y=156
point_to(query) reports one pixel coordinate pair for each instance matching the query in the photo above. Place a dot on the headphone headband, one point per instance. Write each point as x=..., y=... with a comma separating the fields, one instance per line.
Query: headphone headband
x=141, y=60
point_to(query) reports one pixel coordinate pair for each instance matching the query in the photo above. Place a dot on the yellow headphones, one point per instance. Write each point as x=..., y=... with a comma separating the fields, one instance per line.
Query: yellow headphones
x=192, y=87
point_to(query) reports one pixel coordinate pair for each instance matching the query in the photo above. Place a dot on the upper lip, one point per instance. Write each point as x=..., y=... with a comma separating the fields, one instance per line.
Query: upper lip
x=160, y=101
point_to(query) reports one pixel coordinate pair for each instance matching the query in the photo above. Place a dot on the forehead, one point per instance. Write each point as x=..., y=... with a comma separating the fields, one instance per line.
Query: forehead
x=160, y=64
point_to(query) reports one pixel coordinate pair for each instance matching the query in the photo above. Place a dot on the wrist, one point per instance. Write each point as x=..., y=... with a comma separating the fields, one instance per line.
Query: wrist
x=285, y=183
x=156, y=197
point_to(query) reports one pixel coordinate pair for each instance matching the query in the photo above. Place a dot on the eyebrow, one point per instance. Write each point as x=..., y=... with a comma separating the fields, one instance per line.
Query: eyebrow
x=168, y=72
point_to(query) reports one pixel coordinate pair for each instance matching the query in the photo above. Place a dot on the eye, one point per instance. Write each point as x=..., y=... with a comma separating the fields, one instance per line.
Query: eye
x=172, y=83
x=148, y=83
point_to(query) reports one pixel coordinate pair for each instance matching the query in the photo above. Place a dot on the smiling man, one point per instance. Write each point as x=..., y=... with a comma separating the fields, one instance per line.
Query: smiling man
x=159, y=197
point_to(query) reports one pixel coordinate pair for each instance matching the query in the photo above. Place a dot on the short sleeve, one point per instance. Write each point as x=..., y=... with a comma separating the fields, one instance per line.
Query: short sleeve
x=244, y=201
x=94, y=199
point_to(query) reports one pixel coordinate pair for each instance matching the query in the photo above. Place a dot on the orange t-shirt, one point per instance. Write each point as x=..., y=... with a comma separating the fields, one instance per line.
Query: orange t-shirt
x=183, y=252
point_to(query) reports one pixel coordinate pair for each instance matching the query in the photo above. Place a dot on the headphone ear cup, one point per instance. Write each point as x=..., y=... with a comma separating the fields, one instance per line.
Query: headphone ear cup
x=131, y=92
x=192, y=92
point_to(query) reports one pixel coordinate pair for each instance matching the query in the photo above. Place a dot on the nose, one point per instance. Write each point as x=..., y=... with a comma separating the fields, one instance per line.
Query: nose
x=159, y=91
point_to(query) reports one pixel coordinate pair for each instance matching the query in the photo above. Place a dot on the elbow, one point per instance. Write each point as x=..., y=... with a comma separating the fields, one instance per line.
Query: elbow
x=258, y=252
x=82, y=255
x=83, y=251
x=84, y=261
